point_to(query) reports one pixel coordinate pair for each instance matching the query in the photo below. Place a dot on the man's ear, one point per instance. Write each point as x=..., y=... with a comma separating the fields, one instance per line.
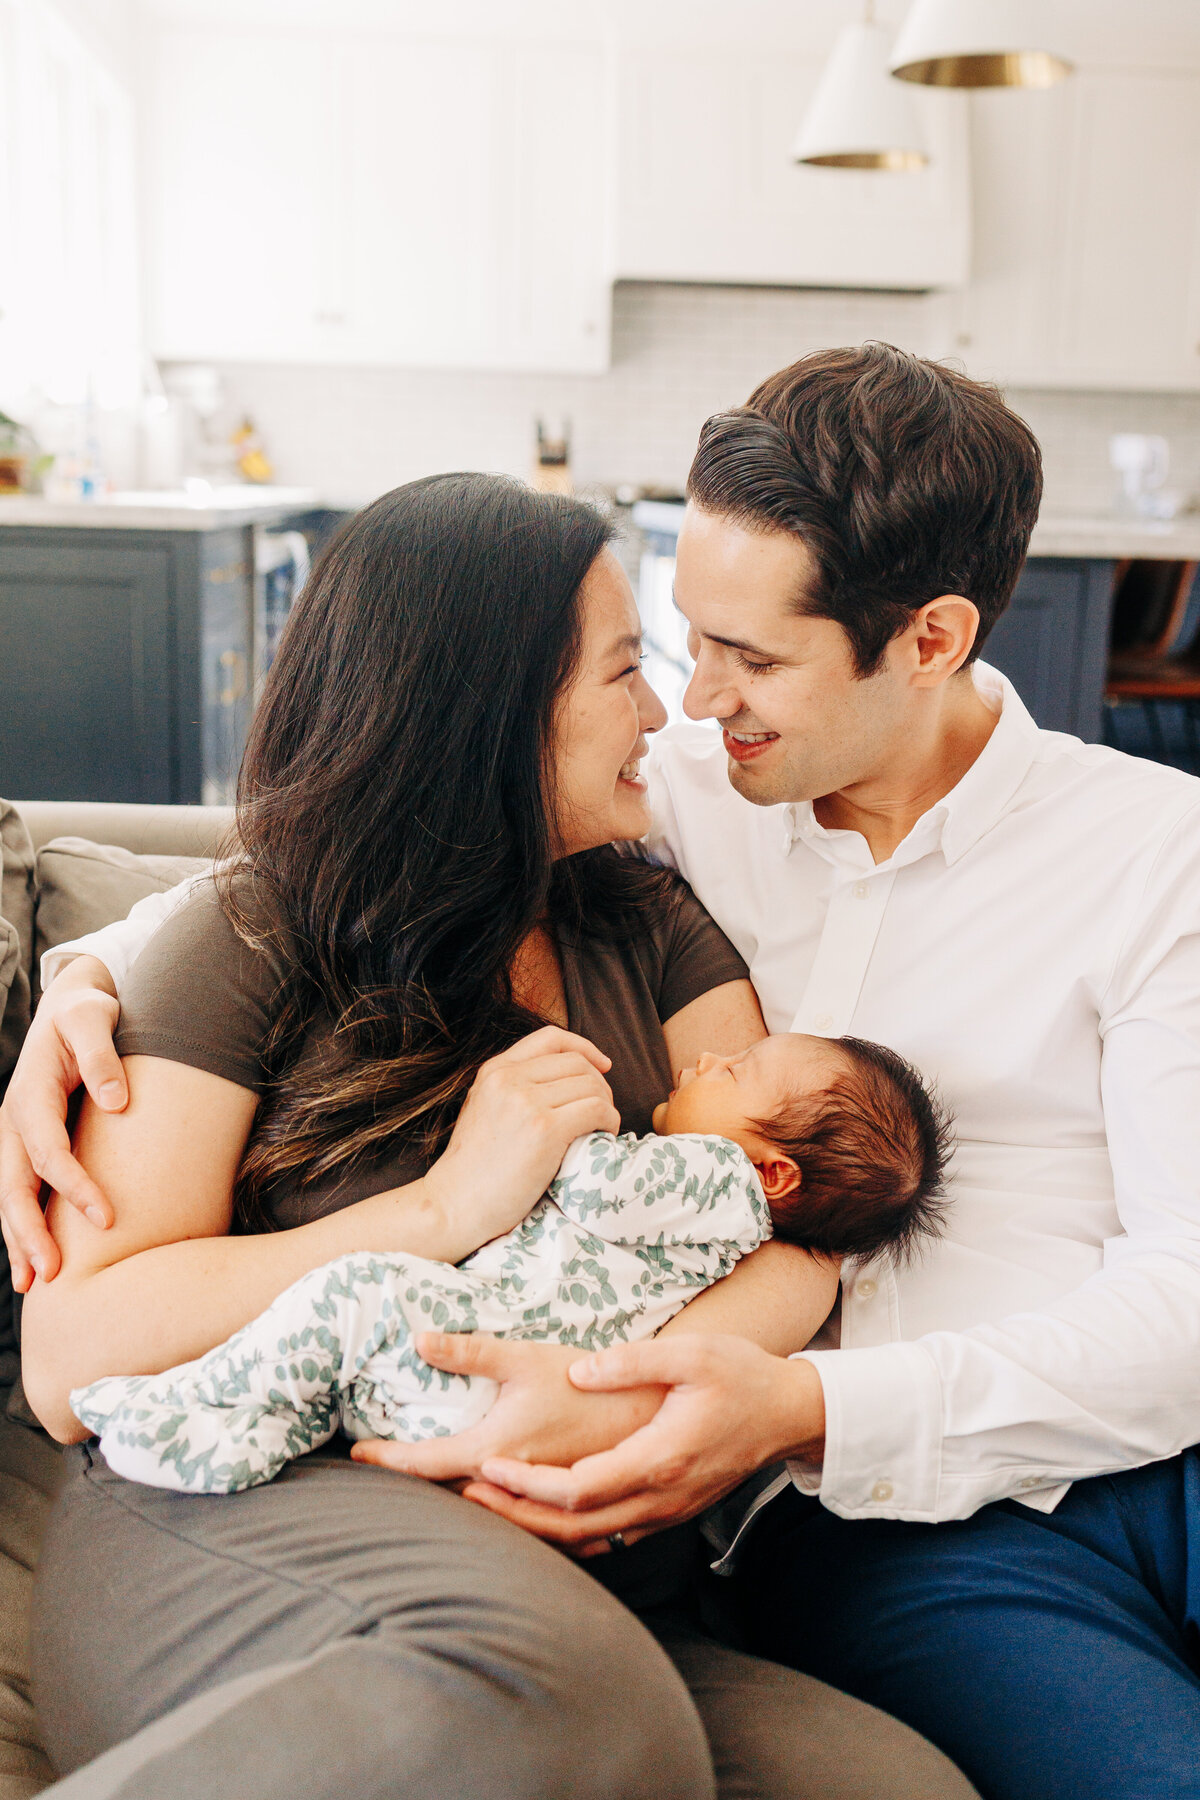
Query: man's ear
x=779, y=1174
x=944, y=631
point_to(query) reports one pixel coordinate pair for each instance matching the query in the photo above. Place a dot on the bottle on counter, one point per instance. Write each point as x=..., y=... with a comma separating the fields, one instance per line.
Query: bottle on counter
x=552, y=462
x=252, y=459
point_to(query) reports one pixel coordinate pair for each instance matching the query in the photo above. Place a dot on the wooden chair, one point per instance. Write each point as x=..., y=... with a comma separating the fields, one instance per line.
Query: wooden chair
x=1150, y=603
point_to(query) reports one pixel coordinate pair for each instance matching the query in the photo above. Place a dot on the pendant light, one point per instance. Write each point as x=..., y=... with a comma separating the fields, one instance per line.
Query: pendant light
x=859, y=117
x=978, y=44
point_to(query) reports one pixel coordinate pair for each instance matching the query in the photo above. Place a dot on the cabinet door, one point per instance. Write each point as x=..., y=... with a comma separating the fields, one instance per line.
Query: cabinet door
x=707, y=189
x=1052, y=642
x=476, y=197
x=1130, y=297
x=246, y=256
x=556, y=277
x=1086, y=210
x=69, y=306
x=1005, y=319
x=87, y=679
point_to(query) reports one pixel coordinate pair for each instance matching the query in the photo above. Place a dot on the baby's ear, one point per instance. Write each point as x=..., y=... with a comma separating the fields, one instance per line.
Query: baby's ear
x=779, y=1174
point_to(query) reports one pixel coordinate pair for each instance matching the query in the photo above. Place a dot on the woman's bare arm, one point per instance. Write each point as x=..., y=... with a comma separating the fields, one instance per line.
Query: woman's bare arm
x=165, y=1283
x=778, y=1297
x=726, y=1019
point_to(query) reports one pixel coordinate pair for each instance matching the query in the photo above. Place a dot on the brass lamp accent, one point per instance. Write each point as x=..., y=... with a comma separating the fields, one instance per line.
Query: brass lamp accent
x=898, y=161
x=989, y=69
x=859, y=118
x=977, y=44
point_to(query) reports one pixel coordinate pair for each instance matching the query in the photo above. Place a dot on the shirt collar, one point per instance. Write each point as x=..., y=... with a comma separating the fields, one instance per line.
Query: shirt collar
x=961, y=817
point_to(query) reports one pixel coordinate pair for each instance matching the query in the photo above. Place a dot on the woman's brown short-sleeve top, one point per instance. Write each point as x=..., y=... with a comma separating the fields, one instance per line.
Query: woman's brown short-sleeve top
x=199, y=995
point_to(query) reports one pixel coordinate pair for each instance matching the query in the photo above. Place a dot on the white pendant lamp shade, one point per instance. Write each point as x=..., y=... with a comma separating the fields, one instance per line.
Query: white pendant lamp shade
x=979, y=43
x=859, y=117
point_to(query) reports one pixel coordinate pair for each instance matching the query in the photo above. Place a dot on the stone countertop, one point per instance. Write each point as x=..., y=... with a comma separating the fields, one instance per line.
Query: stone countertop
x=1113, y=538
x=216, y=509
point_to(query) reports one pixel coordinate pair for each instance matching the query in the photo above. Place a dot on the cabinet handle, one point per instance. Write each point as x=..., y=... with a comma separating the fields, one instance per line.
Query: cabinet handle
x=329, y=318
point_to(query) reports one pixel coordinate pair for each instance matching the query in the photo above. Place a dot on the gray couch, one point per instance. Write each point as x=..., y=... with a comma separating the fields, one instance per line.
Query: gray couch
x=67, y=869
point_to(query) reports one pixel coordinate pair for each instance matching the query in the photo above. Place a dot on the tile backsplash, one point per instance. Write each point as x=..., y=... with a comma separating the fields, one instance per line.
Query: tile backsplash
x=679, y=354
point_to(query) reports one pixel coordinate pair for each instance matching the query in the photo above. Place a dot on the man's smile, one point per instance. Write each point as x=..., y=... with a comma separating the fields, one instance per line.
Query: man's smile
x=744, y=746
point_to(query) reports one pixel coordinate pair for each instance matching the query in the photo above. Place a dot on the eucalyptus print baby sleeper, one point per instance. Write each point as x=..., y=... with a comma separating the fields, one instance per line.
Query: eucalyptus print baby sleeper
x=629, y=1231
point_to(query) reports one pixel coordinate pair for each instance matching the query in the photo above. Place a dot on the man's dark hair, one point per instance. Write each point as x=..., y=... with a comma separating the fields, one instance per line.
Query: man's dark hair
x=872, y=1150
x=904, y=478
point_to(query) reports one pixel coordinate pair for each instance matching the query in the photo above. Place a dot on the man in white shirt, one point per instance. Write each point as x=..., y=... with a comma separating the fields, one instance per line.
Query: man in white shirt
x=989, y=1521
x=1019, y=914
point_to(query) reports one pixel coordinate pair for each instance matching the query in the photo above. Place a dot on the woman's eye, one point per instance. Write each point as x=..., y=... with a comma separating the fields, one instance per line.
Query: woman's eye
x=752, y=668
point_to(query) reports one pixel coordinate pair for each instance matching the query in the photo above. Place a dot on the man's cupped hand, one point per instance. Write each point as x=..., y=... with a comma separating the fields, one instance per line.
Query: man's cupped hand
x=629, y=1440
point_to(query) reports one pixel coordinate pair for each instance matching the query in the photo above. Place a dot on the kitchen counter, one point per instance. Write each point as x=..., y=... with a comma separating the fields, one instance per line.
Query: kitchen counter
x=1097, y=535
x=214, y=509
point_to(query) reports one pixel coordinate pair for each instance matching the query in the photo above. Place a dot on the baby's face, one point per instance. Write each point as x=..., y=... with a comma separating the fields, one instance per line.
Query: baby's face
x=723, y=1095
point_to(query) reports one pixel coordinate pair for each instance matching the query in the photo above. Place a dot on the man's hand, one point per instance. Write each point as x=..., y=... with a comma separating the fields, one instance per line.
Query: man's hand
x=538, y=1416
x=730, y=1409
x=69, y=1042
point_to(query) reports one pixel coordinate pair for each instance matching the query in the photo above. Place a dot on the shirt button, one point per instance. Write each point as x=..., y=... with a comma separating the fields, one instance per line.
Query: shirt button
x=881, y=1491
x=862, y=890
x=823, y=1022
x=1030, y=1481
x=865, y=1290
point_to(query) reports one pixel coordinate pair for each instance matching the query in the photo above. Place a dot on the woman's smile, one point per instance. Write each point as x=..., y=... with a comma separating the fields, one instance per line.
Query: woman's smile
x=630, y=774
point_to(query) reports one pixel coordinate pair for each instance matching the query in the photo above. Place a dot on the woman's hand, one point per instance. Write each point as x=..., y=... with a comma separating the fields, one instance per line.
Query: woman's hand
x=69, y=1042
x=525, y=1106
x=539, y=1416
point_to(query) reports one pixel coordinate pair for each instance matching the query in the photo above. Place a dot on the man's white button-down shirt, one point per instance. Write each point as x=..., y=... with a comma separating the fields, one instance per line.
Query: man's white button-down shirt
x=1033, y=947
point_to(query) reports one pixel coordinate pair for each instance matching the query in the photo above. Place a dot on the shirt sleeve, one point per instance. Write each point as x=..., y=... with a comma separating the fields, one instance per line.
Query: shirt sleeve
x=199, y=994
x=697, y=956
x=1105, y=1378
x=118, y=945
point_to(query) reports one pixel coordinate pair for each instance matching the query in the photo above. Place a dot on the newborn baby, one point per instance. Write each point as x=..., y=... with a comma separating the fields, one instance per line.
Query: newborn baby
x=832, y=1143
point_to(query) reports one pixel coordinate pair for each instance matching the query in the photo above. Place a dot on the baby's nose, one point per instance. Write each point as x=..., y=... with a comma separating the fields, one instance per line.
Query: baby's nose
x=708, y=1059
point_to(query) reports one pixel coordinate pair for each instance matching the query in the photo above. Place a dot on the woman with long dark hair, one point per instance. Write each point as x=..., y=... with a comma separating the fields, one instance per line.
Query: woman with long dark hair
x=422, y=972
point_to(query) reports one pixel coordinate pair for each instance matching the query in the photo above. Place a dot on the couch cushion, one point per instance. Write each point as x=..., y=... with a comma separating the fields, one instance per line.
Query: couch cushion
x=82, y=886
x=16, y=948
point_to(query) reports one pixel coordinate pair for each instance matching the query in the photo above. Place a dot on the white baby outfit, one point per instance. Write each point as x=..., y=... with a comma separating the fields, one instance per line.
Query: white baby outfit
x=629, y=1230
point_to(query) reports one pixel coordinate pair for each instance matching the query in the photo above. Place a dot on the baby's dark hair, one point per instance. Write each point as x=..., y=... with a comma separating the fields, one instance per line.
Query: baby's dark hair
x=872, y=1150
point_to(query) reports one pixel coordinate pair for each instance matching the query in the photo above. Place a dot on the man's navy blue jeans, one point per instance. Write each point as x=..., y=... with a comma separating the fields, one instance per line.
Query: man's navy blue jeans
x=1053, y=1656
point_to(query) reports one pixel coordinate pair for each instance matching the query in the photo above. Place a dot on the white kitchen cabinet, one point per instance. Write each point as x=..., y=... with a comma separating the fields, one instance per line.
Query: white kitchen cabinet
x=243, y=157
x=377, y=198
x=69, y=312
x=476, y=205
x=1086, y=205
x=707, y=189
x=1130, y=293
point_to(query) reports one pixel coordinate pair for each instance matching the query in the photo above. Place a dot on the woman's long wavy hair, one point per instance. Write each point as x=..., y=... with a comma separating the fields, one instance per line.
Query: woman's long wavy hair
x=396, y=799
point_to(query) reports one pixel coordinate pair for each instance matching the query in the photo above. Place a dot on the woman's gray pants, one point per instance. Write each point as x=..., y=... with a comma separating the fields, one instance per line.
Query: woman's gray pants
x=347, y=1632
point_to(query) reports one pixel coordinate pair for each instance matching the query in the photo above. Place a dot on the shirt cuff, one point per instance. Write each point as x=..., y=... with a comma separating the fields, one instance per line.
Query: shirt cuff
x=883, y=1433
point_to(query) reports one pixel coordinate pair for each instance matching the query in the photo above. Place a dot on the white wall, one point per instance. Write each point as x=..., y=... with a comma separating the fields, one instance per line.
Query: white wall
x=679, y=353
